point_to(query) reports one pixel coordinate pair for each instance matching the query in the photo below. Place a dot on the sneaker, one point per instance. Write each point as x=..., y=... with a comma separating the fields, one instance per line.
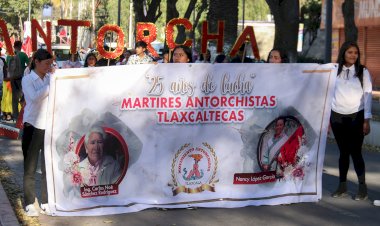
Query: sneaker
x=45, y=209
x=362, y=193
x=341, y=191
x=376, y=202
x=31, y=211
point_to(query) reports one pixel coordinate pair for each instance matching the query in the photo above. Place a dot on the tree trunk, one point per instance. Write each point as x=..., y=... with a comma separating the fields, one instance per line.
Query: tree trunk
x=21, y=38
x=172, y=12
x=226, y=10
x=286, y=20
x=153, y=11
x=350, y=29
x=181, y=37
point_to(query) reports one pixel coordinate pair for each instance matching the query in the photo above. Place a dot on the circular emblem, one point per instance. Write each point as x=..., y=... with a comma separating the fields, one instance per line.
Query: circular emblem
x=194, y=169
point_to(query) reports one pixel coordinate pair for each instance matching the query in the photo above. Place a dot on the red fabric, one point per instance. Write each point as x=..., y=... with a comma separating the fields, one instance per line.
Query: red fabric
x=27, y=46
x=289, y=149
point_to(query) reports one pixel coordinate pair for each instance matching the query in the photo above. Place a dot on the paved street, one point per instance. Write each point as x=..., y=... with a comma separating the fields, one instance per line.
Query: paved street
x=328, y=211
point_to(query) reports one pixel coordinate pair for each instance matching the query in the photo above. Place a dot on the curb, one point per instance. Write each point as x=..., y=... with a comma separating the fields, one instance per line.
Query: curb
x=7, y=216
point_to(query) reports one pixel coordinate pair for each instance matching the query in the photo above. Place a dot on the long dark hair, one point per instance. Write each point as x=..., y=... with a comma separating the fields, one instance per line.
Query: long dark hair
x=40, y=55
x=342, y=61
x=186, y=49
x=88, y=56
x=284, y=57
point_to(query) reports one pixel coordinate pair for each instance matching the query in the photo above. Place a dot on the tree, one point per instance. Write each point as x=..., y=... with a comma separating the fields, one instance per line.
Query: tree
x=257, y=10
x=350, y=29
x=286, y=20
x=147, y=11
x=16, y=12
x=311, y=18
x=226, y=10
x=172, y=12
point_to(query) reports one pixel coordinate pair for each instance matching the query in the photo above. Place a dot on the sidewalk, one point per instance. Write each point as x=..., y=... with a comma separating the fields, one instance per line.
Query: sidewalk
x=328, y=211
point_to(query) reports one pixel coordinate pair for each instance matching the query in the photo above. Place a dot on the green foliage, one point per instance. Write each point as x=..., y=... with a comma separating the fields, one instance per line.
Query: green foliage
x=254, y=10
x=311, y=18
x=311, y=14
x=15, y=10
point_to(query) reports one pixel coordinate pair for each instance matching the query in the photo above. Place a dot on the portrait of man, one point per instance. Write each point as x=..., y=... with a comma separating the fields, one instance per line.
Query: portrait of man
x=98, y=167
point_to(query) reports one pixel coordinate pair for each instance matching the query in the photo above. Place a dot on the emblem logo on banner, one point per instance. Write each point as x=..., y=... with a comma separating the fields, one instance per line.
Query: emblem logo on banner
x=194, y=169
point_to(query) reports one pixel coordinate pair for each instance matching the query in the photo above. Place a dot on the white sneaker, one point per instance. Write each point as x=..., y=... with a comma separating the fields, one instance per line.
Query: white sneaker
x=31, y=211
x=45, y=209
x=376, y=202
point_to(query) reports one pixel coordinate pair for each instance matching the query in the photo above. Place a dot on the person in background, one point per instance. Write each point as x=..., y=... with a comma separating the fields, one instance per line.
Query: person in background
x=277, y=56
x=241, y=56
x=90, y=60
x=205, y=57
x=140, y=57
x=73, y=62
x=104, y=61
x=350, y=116
x=181, y=54
x=127, y=53
x=35, y=86
x=221, y=58
x=165, y=56
x=3, y=86
x=16, y=75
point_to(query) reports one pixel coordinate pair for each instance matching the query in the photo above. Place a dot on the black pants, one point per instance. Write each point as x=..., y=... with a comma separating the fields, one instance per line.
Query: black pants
x=32, y=143
x=348, y=132
x=16, y=95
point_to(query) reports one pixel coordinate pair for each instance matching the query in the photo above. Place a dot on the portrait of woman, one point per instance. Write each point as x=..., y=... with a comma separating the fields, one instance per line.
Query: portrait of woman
x=279, y=144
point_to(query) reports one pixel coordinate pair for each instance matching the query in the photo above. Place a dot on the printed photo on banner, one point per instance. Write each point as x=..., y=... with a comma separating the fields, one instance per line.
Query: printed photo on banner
x=279, y=144
x=279, y=150
x=95, y=155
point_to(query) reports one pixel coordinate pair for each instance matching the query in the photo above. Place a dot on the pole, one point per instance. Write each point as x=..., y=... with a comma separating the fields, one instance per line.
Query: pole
x=29, y=10
x=130, y=36
x=328, y=34
x=243, y=14
x=118, y=12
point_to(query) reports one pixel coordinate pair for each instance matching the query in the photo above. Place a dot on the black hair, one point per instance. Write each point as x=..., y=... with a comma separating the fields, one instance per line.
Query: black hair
x=201, y=58
x=128, y=51
x=165, y=51
x=186, y=49
x=141, y=44
x=284, y=57
x=40, y=55
x=17, y=44
x=220, y=58
x=88, y=56
x=341, y=60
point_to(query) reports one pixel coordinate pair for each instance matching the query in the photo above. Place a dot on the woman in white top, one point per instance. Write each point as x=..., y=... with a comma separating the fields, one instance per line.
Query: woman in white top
x=350, y=115
x=35, y=86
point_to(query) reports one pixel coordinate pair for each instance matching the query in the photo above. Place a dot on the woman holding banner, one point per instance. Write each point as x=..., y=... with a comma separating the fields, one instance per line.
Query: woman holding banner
x=277, y=56
x=350, y=115
x=181, y=54
x=35, y=86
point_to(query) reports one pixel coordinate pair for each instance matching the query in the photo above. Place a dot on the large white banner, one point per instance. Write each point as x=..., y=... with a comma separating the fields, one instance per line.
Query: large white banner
x=126, y=138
